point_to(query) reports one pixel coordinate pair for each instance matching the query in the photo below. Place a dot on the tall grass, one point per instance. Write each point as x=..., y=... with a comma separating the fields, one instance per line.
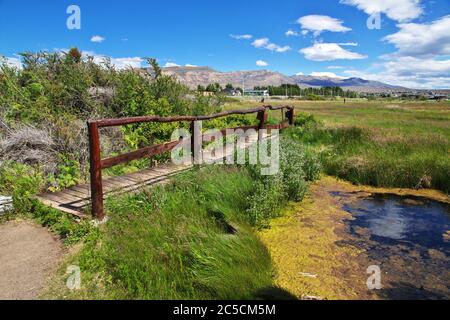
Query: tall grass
x=193, y=238
x=402, y=147
x=187, y=240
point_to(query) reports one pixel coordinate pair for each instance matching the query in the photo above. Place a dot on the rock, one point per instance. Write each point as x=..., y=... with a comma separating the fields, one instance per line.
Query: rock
x=6, y=204
x=308, y=275
x=311, y=298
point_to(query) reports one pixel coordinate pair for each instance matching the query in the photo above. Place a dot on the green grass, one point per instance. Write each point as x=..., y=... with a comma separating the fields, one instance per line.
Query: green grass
x=195, y=237
x=190, y=239
x=384, y=143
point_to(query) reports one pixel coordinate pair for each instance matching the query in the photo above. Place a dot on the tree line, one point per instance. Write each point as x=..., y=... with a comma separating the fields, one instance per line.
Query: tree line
x=295, y=90
x=284, y=90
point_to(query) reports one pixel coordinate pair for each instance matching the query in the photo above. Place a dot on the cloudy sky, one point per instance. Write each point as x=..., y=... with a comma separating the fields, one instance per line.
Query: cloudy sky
x=401, y=42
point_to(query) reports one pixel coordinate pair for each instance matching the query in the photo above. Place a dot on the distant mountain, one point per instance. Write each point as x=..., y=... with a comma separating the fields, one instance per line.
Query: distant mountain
x=194, y=76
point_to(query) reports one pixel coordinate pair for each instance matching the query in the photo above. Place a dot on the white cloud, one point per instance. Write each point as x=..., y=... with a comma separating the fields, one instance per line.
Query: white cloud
x=97, y=39
x=299, y=74
x=329, y=52
x=123, y=63
x=335, y=67
x=325, y=74
x=118, y=63
x=190, y=65
x=241, y=36
x=317, y=24
x=348, y=44
x=260, y=43
x=409, y=72
x=261, y=63
x=291, y=33
x=170, y=65
x=264, y=43
x=422, y=40
x=12, y=62
x=399, y=10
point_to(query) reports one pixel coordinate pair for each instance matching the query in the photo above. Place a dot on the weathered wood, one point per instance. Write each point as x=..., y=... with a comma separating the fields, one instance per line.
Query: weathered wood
x=126, y=121
x=262, y=117
x=139, y=154
x=76, y=200
x=79, y=195
x=96, y=171
x=207, y=137
x=6, y=204
x=290, y=114
x=196, y=144
x=280, y=126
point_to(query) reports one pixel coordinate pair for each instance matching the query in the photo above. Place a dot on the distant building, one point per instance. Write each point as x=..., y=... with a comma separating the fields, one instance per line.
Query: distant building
x=232, y=92
x=257, y=93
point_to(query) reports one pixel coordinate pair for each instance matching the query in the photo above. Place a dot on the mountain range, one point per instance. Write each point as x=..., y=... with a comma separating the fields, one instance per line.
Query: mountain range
x=194, y=76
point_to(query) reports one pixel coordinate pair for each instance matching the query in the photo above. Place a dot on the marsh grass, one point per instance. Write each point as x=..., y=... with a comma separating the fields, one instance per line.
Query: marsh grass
x=382, y=143
x=190, y=239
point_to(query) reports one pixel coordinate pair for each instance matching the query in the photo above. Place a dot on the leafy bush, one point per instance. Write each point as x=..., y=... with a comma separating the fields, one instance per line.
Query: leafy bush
x=266, y=200
x=305, y=120
x=68, y=175
x=297, y=167
x=58, y=92
x=22, y=182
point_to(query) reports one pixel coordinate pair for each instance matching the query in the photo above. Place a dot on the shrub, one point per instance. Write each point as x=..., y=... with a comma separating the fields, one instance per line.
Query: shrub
x=306, y=120
x=265, y=201
x=22, y=182
x=297, y=167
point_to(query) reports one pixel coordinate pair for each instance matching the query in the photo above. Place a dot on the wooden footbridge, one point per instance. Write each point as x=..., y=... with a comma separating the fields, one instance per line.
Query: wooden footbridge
x=78, y=200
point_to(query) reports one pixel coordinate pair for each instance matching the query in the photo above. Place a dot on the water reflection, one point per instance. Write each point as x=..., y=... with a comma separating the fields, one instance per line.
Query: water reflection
x=408, y=238
x=407, y=220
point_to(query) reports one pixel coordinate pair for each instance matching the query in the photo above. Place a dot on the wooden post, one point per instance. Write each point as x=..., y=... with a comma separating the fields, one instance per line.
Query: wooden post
x=262, y=117
x=290, y=114
x=196, y=143
x=96, y=171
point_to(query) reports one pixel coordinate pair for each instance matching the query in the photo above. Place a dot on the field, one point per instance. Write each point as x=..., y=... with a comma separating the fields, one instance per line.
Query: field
x=196, y=237
x=379, y=143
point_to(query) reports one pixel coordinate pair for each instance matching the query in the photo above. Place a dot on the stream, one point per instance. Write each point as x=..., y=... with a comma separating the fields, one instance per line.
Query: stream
x=408, y=238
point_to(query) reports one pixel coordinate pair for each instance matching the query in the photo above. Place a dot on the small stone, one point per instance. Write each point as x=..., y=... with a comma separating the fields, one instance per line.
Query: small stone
x=312, y=298
x=96, y=223
x=6, y=204
x=308, y=275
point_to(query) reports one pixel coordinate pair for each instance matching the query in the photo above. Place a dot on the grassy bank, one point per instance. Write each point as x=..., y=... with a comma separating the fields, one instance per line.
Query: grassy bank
x=179, y=242
x=380, y=143
x=194, y=238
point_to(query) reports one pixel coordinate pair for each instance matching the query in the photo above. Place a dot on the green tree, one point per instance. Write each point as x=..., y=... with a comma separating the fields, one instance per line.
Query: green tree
x=155, y=66
x=75, y=55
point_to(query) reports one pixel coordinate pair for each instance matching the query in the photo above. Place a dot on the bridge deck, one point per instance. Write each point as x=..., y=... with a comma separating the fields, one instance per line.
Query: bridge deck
x=77, y=199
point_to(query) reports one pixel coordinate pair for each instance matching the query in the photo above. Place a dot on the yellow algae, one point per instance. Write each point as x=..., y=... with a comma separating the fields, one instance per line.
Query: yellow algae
x=305, y=240
x=311, y=248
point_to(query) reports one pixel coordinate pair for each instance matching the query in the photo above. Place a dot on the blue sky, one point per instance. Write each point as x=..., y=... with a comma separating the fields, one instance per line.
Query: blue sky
x=412, y=46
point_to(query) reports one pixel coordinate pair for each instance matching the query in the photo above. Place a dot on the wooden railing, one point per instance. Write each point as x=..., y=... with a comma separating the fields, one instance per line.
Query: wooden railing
x=97, y=164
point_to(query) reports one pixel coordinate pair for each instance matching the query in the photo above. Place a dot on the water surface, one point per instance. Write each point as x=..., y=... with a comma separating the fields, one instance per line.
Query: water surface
x=409, y=239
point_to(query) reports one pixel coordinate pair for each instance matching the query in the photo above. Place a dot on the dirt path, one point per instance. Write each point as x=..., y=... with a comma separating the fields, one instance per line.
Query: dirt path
x=28, y=254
